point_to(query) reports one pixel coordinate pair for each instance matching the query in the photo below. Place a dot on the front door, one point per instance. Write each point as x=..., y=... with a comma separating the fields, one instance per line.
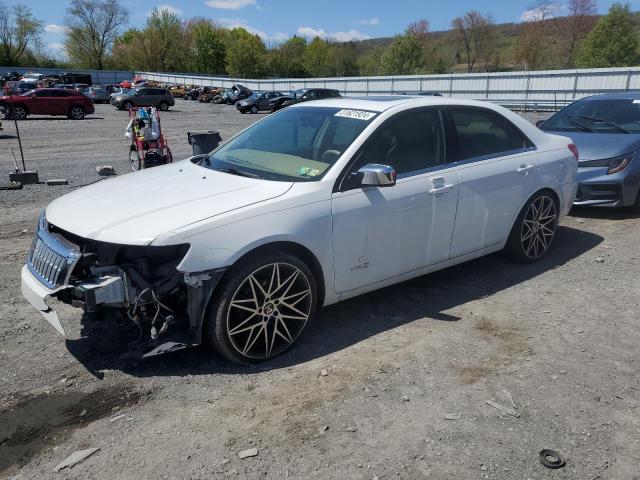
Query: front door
x=382, y=232
x=39, y=104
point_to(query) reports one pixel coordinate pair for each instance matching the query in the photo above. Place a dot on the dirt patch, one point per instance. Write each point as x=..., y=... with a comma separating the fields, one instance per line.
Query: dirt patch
x=37, y=421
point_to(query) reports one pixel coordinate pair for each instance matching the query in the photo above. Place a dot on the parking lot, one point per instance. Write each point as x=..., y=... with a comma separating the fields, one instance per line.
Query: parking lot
x=392, y=384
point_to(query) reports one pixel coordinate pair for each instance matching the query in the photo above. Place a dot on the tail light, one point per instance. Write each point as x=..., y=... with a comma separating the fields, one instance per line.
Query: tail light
x=574, y=150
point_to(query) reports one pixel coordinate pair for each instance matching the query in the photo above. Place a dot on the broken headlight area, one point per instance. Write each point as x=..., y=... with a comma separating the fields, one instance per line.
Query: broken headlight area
x=141, y=282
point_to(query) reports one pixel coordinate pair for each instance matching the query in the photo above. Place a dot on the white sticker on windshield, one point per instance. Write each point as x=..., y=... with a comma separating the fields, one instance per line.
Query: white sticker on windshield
x=636, y=101
x=357, y=114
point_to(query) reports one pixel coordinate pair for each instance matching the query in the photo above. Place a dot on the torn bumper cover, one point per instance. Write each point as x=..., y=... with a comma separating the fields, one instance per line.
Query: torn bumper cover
x=140, y=282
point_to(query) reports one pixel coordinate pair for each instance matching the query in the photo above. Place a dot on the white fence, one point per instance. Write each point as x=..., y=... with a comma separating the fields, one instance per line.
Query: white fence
x=544, y=89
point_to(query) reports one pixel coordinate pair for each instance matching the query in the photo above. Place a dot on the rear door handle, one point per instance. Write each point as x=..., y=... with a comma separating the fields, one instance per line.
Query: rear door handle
x=442, y=189
x=524, y=169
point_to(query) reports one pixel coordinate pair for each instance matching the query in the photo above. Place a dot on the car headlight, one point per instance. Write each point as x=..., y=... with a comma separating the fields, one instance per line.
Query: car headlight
x=613, y=165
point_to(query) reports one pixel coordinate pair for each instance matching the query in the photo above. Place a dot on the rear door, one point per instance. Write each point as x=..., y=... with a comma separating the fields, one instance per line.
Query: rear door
x=142, y=97
x=60, y=101
x=498, y=172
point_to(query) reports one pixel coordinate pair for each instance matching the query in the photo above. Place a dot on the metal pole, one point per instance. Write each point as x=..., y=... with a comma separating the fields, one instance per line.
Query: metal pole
x=15, y=121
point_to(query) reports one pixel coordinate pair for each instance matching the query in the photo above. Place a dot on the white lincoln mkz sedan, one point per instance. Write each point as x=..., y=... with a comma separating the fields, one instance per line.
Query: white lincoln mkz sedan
x=314, y=204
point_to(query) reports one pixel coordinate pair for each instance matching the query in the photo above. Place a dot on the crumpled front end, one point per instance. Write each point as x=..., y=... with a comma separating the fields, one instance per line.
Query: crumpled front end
x=141, y=283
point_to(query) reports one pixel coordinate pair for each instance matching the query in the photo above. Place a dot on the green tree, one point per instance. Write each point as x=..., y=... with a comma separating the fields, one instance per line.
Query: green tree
x=19, y=31
x=286, y=60
x=317, y=58
x=246, y=54
x=208, y=51
x=344, y=60
x=613, y=42
x=92, y=28
x=405, y=56
x=161, y=42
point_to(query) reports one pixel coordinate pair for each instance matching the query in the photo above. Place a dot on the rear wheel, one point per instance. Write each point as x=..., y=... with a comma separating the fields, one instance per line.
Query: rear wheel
x=534, y=229
x=261, y=308
x=76, y=113
x=164, y=106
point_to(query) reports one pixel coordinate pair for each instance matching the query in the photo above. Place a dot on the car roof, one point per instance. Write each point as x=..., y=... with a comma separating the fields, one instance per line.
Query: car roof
x=382, y=103
x=614, y=96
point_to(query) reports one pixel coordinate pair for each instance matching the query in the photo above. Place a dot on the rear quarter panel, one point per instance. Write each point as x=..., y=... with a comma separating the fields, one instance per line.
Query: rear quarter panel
x=557, y=168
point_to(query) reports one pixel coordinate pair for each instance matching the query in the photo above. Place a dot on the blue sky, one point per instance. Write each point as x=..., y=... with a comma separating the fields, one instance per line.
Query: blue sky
x=276, y=20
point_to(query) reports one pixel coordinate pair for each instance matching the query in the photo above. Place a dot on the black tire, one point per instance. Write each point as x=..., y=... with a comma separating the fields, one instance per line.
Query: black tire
x=76, y=113
x=127, y=105
x=18, y=112
x=280, y=322
x=533, y=231
x=254, y=109
x=164, y=106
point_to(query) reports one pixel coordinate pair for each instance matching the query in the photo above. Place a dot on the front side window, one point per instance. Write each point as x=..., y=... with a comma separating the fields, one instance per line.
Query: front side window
x=411, y=142
x=598, y=116
x=482, y=133
x=295, y=144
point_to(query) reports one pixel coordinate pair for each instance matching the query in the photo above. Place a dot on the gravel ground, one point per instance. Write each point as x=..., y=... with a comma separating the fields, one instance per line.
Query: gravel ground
x=392, y=384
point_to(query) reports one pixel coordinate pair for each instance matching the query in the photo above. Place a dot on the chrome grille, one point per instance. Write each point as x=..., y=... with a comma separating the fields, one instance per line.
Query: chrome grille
x=51, y=259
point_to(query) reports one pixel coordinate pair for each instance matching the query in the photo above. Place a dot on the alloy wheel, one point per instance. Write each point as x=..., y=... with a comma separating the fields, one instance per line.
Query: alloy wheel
x=134, y=160
x=77, y=113
x=538, y=227
x=269, y=310
x=19, y=113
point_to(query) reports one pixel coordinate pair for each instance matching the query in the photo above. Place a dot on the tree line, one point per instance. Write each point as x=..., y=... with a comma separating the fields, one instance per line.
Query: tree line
x=97, y=35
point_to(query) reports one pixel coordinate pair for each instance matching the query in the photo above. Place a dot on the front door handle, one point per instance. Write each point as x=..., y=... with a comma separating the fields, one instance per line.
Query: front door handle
x=524, y=169
x=442, y=189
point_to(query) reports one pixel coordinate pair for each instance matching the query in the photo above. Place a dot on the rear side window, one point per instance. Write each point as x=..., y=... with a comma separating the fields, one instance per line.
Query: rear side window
x=482, y=133
x=60, y=93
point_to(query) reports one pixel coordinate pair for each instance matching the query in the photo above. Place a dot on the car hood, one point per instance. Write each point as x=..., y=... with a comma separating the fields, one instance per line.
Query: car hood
x=594, y=146
x=136, y=208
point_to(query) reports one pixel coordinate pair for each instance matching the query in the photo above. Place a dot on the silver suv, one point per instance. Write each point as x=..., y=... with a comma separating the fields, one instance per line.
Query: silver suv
x=143, y=97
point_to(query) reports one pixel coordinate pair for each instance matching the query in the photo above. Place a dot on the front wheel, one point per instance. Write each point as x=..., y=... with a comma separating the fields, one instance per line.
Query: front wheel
x=534, y=229
x=127, y=105
x=254, y=109
x=135, y=162
x=18, y=112
x=261, y=308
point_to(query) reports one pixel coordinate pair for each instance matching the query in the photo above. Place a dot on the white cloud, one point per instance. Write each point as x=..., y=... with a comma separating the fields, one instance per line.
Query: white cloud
x=53, y=28
x=536, y=14
x=370, y=22
x=239, y=22
x=170, y=9
x=311, y=32
x=230, y=4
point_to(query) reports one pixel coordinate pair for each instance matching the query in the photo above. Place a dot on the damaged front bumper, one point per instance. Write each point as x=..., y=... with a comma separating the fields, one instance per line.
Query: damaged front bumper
x=140, y=282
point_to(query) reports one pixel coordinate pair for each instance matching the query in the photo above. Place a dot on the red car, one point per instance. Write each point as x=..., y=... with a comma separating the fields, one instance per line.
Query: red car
x=47, y=101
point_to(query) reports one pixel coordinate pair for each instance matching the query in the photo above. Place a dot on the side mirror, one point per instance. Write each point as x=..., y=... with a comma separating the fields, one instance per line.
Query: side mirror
x=539, y=123
x=376, y=175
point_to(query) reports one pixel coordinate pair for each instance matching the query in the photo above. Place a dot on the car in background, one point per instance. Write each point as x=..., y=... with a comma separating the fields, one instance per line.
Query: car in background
x=304, y=95
x=11, y=76
x=72, y=86
x=317, y=203
x=143, y=97
x=98, y=95
x=258, y=102
x=606, y=130
x=25, y=86
x=47, y=101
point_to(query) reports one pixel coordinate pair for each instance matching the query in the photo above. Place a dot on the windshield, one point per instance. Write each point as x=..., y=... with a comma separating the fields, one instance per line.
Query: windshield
x=28, y=93
x=598, y=116
x=295, y=144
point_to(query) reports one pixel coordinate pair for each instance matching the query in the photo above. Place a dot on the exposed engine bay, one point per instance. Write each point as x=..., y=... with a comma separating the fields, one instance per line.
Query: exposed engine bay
x=139, y=282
